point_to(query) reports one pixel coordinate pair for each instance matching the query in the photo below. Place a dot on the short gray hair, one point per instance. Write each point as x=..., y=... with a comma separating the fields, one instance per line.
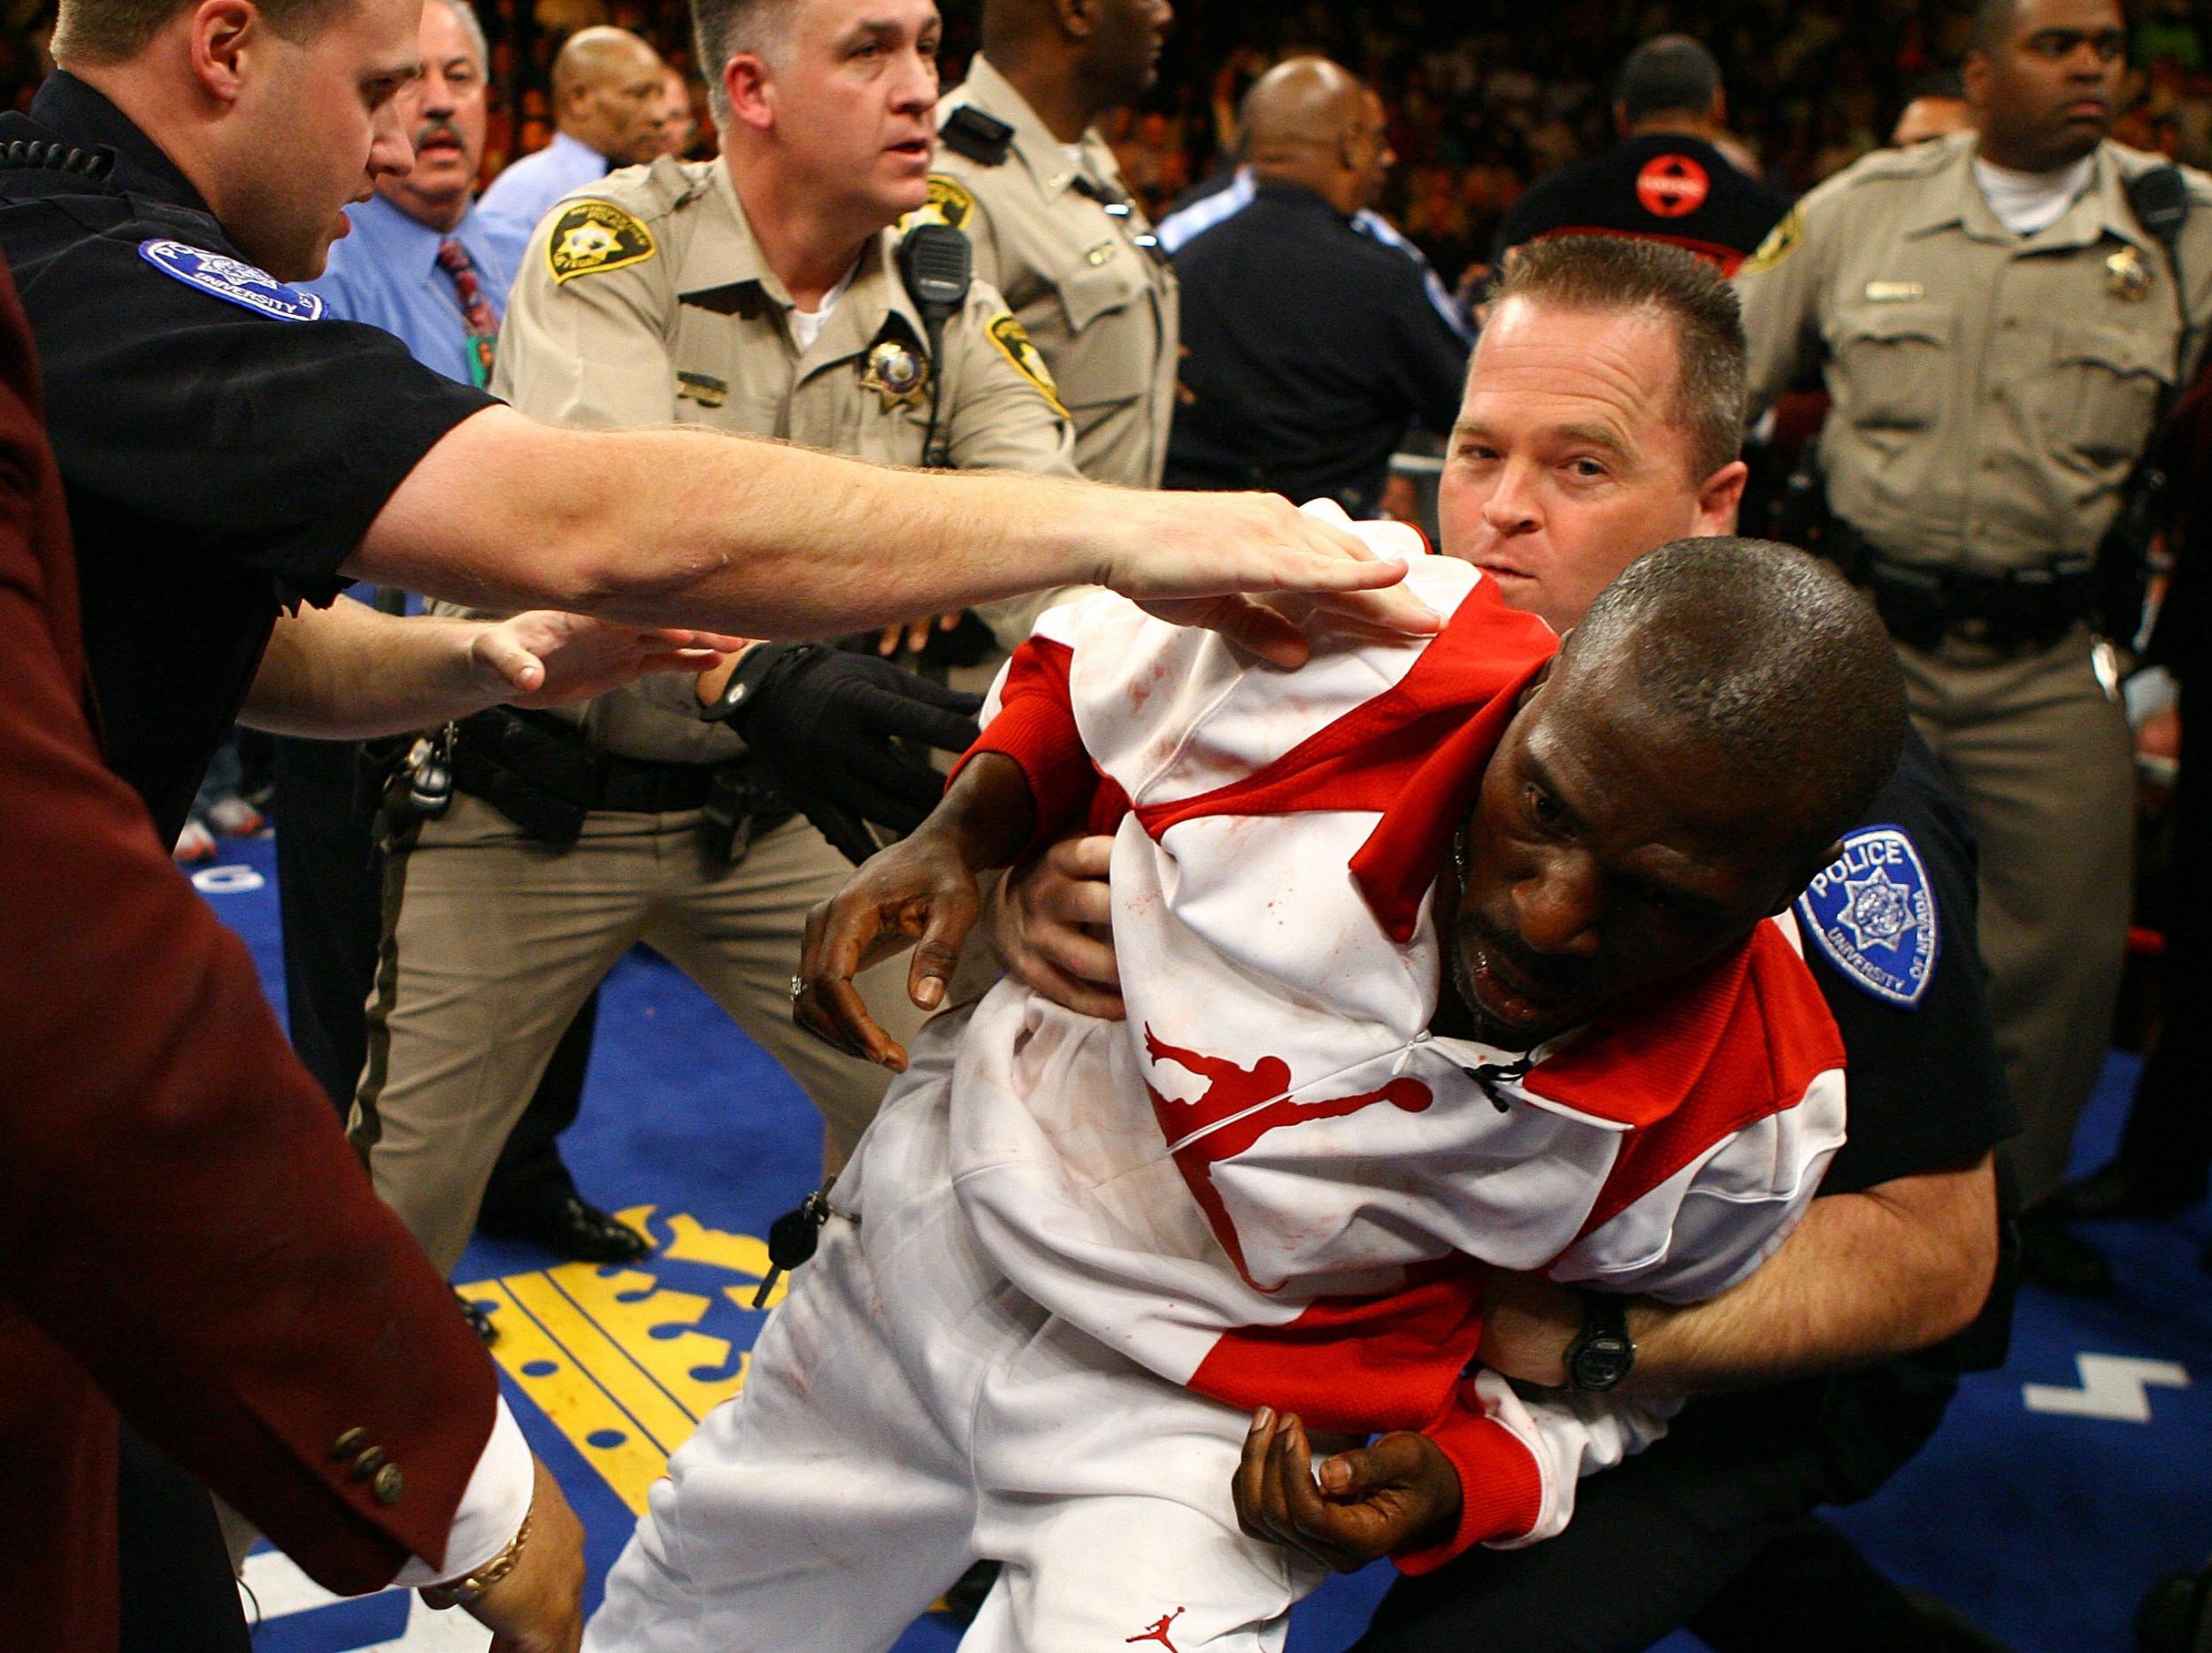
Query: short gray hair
x=474, y=29
x=724, y=29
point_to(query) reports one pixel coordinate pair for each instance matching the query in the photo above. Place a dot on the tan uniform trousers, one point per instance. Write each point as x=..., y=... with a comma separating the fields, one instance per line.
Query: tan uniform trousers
x=2041, y=762
x=493, y=941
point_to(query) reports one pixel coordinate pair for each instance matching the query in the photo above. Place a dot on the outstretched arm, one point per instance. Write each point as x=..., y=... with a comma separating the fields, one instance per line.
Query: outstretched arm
x=349, y=673
x=756, y=538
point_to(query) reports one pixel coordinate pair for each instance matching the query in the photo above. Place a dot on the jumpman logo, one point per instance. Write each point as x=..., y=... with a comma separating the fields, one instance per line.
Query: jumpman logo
x=1158, y=1632
x=1239, y=1106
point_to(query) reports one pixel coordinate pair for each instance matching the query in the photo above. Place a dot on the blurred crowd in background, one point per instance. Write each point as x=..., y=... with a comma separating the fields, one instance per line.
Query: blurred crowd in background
x=1480, y=107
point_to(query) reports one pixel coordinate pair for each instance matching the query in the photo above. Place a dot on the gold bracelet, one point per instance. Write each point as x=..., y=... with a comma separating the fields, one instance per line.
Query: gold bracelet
x=464, y=1592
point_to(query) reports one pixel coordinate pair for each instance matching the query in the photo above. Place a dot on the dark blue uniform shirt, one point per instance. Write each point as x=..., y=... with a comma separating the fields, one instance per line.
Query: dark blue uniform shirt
x=1309, y=346
x=221, y=453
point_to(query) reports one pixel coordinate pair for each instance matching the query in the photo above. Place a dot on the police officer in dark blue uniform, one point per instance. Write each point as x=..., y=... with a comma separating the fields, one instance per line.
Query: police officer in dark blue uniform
x=1666, y=180
x=1307, y=345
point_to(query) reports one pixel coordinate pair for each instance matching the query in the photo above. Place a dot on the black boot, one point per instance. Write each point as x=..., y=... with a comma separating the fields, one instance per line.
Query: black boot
x=2124, y=1188
x=2055, y=1257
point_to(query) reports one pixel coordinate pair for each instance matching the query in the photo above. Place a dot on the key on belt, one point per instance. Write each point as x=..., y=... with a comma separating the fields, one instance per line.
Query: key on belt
x=793, y=1237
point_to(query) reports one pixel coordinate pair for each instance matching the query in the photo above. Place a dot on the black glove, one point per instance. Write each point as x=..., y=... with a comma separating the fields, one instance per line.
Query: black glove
x=825, y=723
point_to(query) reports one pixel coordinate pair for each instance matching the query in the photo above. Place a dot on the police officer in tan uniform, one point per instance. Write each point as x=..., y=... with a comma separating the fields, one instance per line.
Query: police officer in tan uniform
x=759, y=293
x=1023, y=170
x=1999, y=326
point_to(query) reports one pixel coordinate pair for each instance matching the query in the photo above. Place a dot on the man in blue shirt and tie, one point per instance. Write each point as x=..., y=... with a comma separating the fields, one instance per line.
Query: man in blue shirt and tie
x=422, y=240
x=427, y=262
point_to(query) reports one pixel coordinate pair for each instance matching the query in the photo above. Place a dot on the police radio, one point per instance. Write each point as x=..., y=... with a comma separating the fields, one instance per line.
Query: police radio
x=937, y=264
x=2159, y=197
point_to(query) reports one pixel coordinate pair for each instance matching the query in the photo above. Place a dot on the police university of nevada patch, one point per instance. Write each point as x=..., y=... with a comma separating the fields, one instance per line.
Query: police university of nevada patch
x=1872, y=913
x=234, y=278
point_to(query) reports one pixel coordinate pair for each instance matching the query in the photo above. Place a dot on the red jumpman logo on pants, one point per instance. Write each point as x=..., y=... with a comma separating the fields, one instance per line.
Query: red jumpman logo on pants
x=1239, y=1106
x=1158, y=1632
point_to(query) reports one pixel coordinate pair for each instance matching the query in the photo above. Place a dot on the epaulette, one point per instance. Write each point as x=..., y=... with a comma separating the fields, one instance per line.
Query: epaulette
x=42, y=155
x=1916, y=162
x=984, y=138
x=669, y=183
x=1889, y=168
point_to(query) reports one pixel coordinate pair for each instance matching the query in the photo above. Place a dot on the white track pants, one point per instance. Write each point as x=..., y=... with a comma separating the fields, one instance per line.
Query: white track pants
x=908, y=1411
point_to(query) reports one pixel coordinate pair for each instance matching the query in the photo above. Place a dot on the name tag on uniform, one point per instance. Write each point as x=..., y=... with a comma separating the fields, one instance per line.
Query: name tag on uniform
x=1894, y=292
x=706, y=391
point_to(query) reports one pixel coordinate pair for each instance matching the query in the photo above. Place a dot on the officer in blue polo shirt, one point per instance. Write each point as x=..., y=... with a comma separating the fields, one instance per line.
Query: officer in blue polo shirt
x=1304, y=386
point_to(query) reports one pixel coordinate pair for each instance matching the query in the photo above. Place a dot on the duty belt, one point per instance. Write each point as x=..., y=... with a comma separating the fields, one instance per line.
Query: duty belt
x=2015, y=611
x=542, y=773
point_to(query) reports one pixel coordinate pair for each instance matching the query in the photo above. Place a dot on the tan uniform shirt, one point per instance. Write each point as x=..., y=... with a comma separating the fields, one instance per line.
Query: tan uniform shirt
x=645, y=301
x=1992, y=391
x=1101, y=307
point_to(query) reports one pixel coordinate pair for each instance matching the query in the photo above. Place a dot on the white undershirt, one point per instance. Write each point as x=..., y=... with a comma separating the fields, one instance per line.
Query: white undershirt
x=2026, y=203
x=807, y=324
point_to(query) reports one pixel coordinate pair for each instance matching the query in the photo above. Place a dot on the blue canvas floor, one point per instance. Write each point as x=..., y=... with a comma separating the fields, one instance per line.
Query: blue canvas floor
x=2057, y=1490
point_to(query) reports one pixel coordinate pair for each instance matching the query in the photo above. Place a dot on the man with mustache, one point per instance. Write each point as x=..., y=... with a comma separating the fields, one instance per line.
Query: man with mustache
x=1361, y=911
x=425, y=262
x=423, y=250
x=1601, y=417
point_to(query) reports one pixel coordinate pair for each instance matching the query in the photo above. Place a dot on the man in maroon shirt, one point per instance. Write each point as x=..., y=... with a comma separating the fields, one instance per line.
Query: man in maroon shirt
x=184, y=1235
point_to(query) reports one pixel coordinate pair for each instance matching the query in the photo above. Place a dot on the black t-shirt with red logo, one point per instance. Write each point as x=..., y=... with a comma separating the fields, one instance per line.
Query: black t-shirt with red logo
x=1661, y=187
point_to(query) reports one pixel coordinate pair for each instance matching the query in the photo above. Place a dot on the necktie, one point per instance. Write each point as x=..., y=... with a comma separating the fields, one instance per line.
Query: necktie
x=476, y=310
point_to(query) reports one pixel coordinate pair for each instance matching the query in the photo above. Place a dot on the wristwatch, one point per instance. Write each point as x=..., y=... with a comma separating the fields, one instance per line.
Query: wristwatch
x=1602, y=1353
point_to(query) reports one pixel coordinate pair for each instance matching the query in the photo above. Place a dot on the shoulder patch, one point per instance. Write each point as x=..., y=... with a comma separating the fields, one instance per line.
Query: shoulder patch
x=1872, y=912
x=1781, y=241
x=1014, y=344
x=949, y=203
x=592, y=237
x=242, y=283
